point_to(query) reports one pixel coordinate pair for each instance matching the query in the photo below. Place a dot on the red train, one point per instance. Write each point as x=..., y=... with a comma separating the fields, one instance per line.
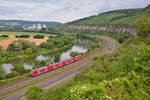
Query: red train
x=41, y=70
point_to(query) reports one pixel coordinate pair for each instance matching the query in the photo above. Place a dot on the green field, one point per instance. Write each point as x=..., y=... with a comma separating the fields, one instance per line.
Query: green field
x=4, y=38
x=22, y=33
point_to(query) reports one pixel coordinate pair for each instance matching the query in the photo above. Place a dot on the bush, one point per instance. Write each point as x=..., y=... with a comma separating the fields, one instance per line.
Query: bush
x=44, y=30
x=1, y=48
x=33, y=92
x=38, y=36
x=143, y=29
x=4, y=36
x=22, y=36
x=14, y=46
x=21, y=45
x=57, y=57
x=38, y=63
x=73, y=54
x=19, y=69
x=10, y=75
x=2, y=72
x=6, y=81
x=29, y=51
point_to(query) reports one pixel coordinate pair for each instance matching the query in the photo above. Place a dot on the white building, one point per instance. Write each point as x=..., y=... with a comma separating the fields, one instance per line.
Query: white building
x=35, y=27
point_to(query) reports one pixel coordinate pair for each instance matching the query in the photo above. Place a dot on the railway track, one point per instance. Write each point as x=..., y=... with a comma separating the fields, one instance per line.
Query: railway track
x=53, y=78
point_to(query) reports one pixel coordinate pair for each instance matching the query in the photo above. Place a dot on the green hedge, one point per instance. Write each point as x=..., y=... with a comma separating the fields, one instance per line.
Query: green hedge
x=38, y=36
x=22, y=36
x=4, y=36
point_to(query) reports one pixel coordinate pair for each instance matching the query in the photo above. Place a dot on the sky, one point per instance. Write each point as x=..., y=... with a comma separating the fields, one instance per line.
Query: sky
x=61, y=10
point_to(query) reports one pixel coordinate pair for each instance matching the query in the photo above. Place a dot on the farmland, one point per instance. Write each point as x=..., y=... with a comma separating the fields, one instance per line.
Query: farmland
x=21, y=33
x=6, y=41
x=3, y=38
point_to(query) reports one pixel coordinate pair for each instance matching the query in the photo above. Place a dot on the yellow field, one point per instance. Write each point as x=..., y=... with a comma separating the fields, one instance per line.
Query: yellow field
x=5, y=42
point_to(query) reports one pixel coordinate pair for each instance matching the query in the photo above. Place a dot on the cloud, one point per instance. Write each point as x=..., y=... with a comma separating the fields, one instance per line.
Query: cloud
x=62, y=10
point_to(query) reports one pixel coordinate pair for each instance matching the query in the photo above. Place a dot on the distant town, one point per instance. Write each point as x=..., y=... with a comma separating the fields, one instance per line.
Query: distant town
x=34, y=27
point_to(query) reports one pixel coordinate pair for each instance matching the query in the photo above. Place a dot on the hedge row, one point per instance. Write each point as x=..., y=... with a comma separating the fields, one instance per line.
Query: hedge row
x=22, y=36
x=4, y=36
x=38, y=36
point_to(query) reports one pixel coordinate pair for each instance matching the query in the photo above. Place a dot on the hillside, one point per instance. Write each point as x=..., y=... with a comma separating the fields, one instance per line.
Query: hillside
x=122, y=75
x=22, y=22
x=117, y=17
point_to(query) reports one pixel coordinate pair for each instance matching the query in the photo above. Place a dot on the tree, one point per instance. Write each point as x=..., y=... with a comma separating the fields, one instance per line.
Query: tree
x=14, y=46
x=38, y=63
x=29, y=51
x=57, y=58
x=26, y=44
x=19, y=68
x=2, y=72
x=1, y=48
x=38, y=36
x=22, y=45
x=143, y=29
x=44, y=30
x=33, y=92
x=73, y=54
x=10, y=75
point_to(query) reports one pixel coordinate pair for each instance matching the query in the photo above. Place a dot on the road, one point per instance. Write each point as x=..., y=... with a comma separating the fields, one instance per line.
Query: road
x=65, y=74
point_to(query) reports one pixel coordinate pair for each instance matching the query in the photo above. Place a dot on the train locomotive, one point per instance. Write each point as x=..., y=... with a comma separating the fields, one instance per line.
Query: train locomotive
x=41, y=70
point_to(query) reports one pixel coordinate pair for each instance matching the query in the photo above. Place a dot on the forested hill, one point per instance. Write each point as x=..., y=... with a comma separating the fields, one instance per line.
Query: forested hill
x=118, y=17
x=22, y=22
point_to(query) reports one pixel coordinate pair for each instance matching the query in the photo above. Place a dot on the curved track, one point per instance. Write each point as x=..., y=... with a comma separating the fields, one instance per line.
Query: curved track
x=59, y=79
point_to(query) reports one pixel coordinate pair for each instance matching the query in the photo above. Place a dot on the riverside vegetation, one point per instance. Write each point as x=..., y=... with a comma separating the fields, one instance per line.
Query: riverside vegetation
x=23, y=48
x=123, y=75
x=55, y=45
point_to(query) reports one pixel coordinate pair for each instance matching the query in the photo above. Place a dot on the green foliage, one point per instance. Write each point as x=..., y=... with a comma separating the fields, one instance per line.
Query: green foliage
x=57, y=57
x=49, y=61
x=87, y=91
x=33, y=92
x=38, y=36
x=2, y=72
x=58, y=42
x=19, y=69
x=6, y=81
x=29, y=51
x=73, y=54
x=1, y=48
x=84, y=35
x=38, y=63
x=21, y=45
x=123, y=75
x=14, y=46
x=10, y=75
x=4, y=36
x=119, y=17
x=144, y=27
x=44, y=30
x=22, y=36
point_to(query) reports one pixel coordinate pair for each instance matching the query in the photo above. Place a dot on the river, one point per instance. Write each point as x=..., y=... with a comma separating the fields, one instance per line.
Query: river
x=28, y=63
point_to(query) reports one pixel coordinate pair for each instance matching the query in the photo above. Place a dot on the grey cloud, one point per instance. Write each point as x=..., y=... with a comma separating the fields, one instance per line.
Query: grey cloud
x=62, y=10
